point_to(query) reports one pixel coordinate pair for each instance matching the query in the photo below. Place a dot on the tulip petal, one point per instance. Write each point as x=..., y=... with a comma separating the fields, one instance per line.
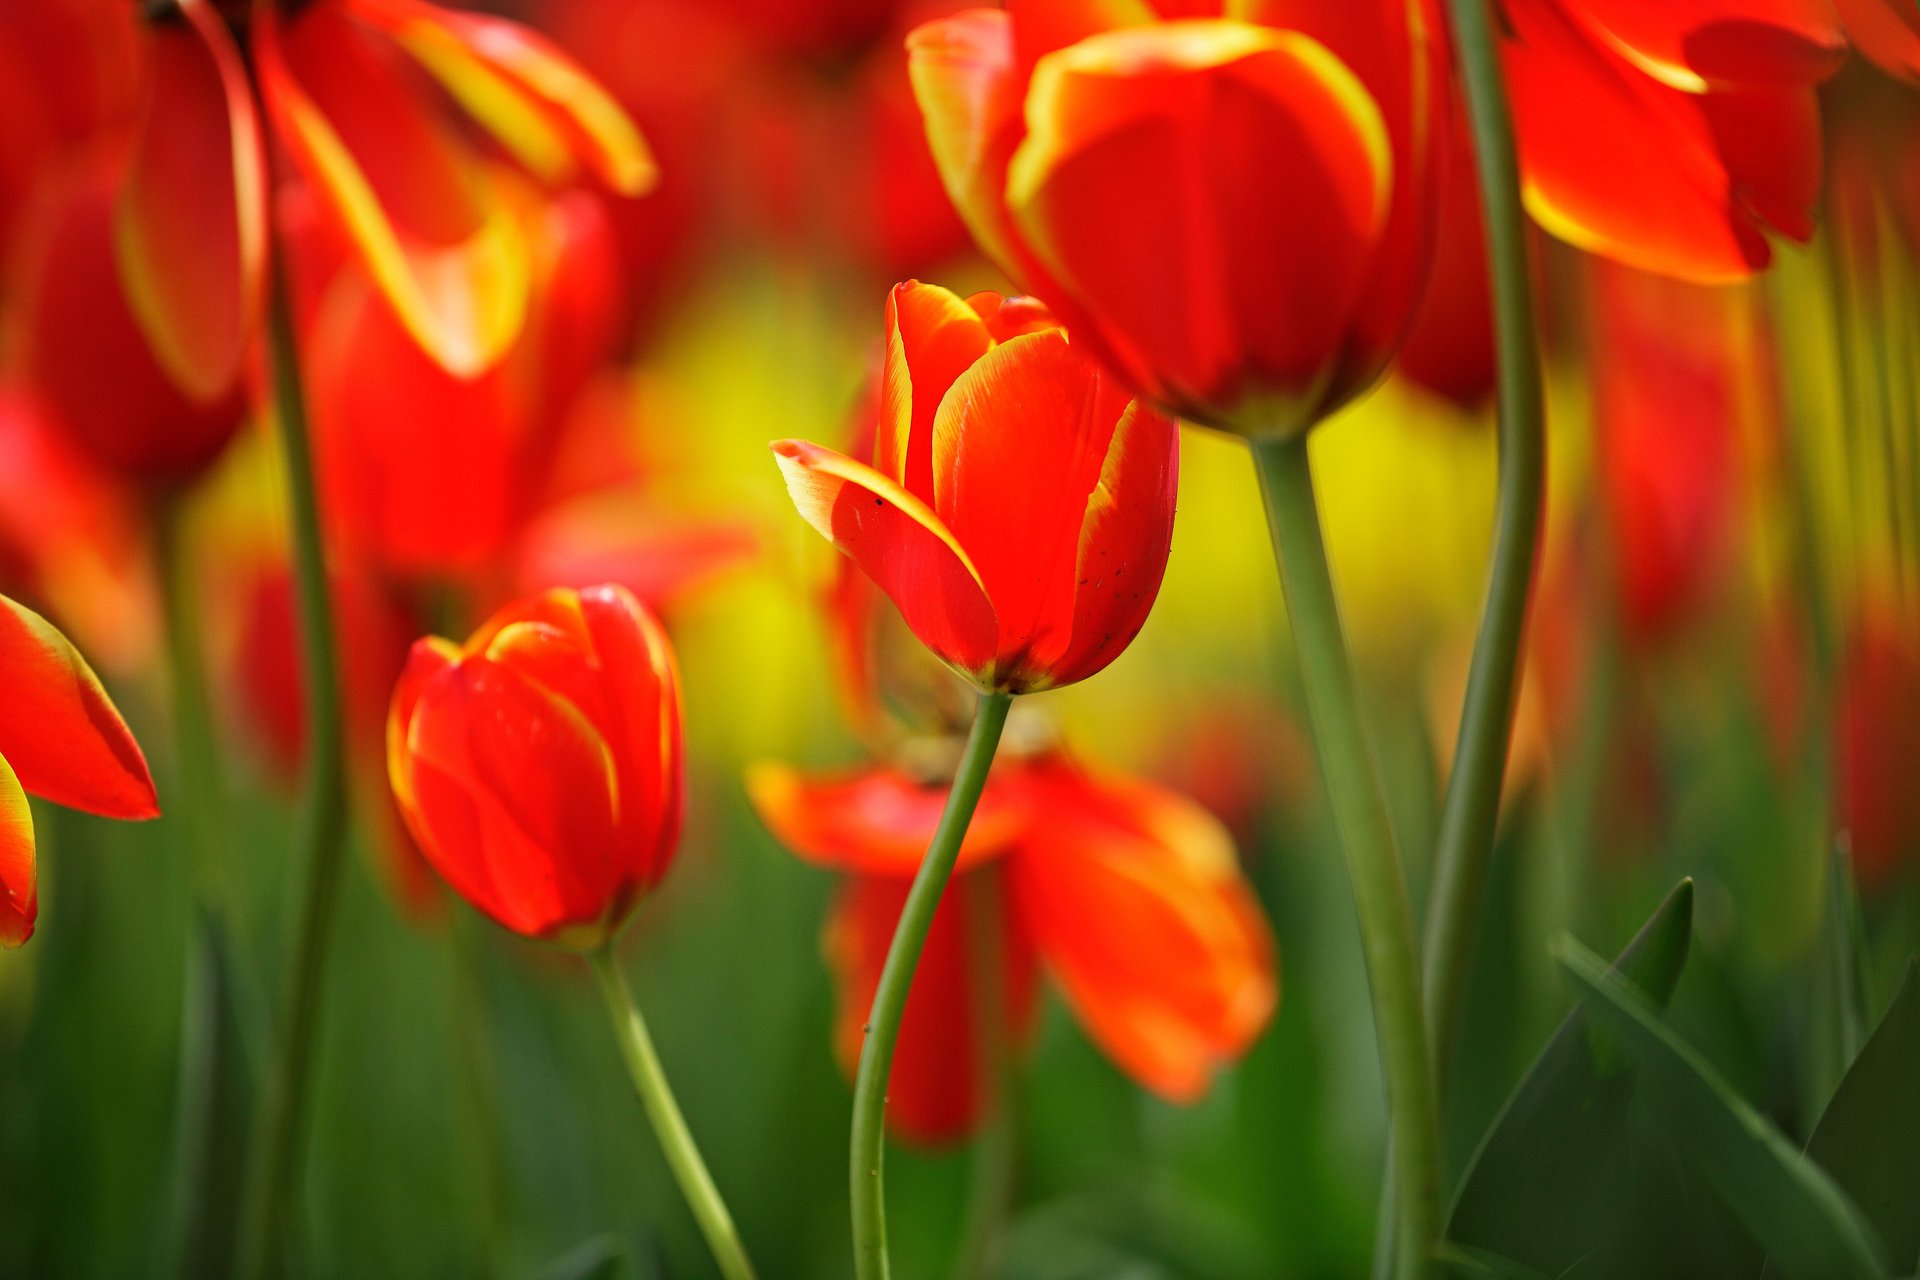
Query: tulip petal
x=969, y=89
x=879, y=821
x=932, y=338
x=58, y=728
x=1135, y=901
x=533, y=97
x=901, y=544
x=641, y=700
x=1694, y=44
x=1042, y=26
x=1886, y=31
x=190, y=230
x=429, y=657
x=19, y=887
x=1132, y=189
x=453, y=262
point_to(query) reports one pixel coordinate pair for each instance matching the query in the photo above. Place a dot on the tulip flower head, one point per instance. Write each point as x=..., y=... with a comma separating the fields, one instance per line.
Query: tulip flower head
x=1019, y=508
x=539, y=765
x=62, y=740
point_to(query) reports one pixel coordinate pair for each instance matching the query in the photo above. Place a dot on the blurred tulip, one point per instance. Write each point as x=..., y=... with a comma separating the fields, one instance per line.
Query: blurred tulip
x=338, y=78
x=1886, y=31
x=539, y=766
x=1233, y=212
x=60, y=739
x=1449, y=348
x=1128, y=894
x=1020, y=507
x=66, y=77
x=1876, y=742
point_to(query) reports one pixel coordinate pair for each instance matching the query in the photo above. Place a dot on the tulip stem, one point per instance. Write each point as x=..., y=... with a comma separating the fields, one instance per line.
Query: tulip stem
x=866, y=1175
x=1373, y=865
x=1471, y=809
x=320, y=833
x=669, y=1126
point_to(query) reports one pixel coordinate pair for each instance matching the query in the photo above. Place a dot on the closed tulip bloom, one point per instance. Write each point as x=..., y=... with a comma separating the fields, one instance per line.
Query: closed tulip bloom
x=1019, y=508
x=539, y=765
x=62, y=740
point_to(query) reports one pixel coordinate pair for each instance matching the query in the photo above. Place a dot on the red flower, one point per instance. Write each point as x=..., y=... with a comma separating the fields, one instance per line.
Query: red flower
x=1233, y=212
x=1886, y=31
x=62, y=740
x=539, y=765
x=1127, y=894
x=1020, y=507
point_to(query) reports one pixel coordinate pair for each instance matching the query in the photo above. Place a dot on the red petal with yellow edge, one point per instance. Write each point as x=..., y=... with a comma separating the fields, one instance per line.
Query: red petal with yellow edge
x=448, y=253
x=19, y=885
x=901, y=544
x=191, y=225
x=543, y=108
x=1018, y=447
x=1207, y=286
x=1886, y=31
x=429, y=657
x=932, y=338
x=879, y=821
x=1042, y=26
x=934, y=1092
x=1694, y=44
x=1124, y=542
x=1140, y=913
x=1618, y=164
x=642, y=723
x=58, y=728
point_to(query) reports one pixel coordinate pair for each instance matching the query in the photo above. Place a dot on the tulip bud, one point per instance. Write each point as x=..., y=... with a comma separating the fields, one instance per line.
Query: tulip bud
x=1019, y=509
x=539, y=765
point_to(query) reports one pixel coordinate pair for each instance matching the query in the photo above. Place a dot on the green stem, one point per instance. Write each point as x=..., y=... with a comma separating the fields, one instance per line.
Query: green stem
x=319, y=838
x=1472, y=807
x=990, y=1180
x=1360, y=815
x=669, y=1126
x=866, y=1177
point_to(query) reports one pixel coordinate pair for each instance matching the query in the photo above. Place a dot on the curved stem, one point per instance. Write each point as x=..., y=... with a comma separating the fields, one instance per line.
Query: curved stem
x=669, y=1126
x=1472, y=807
x=868, y=1146
x=320, y=834
x=1360, y=815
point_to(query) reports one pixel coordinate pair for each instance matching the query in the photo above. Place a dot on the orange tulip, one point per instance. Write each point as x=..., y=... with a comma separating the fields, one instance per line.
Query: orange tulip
x=1128, y=895
x=338, y=78
x=539, y=765
x=60, y=739
x=1019, y=509
x=1232, y=211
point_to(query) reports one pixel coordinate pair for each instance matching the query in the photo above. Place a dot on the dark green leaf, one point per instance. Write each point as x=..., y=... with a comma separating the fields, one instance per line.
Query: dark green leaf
x=1803, y=1218
x=601, y=1258
x=1478, y=1264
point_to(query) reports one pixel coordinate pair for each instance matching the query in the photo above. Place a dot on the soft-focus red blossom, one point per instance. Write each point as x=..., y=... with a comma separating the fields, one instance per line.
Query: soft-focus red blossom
x=66, y=77
x=539, y=765
x=62, y=740
x=1232, y=210
x=1876, y=745
x=1127, y=895
x=87, y=359
x=342, y=83
x=1886, y=31
x=1449, y=349
x=1019, y=508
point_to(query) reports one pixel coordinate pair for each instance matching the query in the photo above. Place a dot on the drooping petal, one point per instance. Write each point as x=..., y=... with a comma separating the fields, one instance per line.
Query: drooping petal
x=879, y=820
x=544, y=109
x=59, y=730
x=932, y=338
x=1209, y=196
x=1139, y=911
x=1886, y=31
x=453, y=261
x=19, y=886
x=1769, y=140
x=1696, y=44
x=191, y=226
x=901, y=544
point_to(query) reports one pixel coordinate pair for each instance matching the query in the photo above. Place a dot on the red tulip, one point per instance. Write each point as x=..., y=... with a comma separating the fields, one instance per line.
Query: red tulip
x=62, y=740
x=1449, y=348
x=1020, y=507
x=539, y=766
x=1886, y=31
x=1232, y=211
x=1128, y=895
x=1876, y=741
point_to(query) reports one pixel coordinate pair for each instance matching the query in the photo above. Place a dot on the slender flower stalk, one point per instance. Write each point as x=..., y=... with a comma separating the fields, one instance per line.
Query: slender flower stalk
x=320, y=834
x=1472, y=806
x=866, y=1178
x=1360, y=815
x=676, y=1142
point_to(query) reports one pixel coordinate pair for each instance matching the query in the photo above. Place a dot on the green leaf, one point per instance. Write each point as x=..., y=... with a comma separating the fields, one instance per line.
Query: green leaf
x=1790, y=1205
x=1478, y=1264
x=1868, y=1138
x=601, y=1258
x=1546, y=1187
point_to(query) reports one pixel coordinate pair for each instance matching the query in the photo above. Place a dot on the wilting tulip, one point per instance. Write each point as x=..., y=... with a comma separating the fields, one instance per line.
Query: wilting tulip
x=539, y=765
x=1019, y=509
x=1128, y=895
x=62, y=740
x=1232, y=212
